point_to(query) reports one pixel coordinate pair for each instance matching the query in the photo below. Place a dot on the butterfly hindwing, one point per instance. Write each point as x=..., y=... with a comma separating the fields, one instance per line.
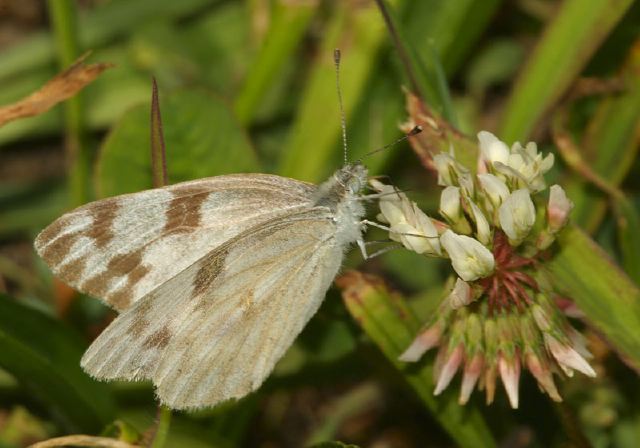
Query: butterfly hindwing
x=121, y=248
x=215, y=330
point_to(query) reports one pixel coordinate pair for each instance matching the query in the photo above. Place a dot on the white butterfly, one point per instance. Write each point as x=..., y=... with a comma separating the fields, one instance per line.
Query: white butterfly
x=213, y=278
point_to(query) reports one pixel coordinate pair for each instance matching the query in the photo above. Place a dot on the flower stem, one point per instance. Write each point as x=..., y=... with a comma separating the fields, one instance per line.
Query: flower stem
x=63, y=20
x=162, y=427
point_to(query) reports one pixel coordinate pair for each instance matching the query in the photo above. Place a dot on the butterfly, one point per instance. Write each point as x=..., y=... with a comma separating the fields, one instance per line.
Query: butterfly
x=213, y=279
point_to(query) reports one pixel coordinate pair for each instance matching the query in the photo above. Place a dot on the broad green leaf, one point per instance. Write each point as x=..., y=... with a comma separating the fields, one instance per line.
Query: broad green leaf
x=566, y=46
x=202, y=138
x=44, y=356
x=391, y=324
x=609, y=299
x=101, y=25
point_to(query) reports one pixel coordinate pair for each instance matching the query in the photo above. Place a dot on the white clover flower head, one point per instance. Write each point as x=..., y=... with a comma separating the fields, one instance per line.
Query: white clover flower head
x=517, y=214
x=499, y=316
x=469, y=257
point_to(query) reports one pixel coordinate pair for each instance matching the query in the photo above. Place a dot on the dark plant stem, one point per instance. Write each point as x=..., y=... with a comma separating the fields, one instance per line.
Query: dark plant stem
x=402, y=50
x=158, y=150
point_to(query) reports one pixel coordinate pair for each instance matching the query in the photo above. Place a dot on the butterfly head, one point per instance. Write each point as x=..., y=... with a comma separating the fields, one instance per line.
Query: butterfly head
x=353, y=177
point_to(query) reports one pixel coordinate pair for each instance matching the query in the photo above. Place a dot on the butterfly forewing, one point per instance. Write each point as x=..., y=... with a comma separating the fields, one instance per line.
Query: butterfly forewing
x=215, y=330
x=119, y=249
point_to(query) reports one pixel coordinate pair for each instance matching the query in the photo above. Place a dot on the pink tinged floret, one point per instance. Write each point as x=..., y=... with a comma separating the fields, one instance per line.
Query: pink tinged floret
x=543, y=375
x=490, y=377
x=510, y=374
x=472, y=371
x=567, y=357
x=449, y=369
x=423, y=342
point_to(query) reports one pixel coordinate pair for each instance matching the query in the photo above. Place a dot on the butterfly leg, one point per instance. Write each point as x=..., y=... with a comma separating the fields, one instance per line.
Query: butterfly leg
x=366, y=222
x=384, y=250
x=363, y=248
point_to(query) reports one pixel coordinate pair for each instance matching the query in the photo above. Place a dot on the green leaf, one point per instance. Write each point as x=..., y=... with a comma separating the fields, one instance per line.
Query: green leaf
x=202, y=138
x=44, y=356
x=566, y=46
x=101, y=25
x=391, y=324
x=609, y=299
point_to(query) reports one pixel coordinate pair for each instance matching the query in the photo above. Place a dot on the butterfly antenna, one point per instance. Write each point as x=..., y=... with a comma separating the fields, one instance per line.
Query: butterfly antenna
x=416, y=130
x=343, y=120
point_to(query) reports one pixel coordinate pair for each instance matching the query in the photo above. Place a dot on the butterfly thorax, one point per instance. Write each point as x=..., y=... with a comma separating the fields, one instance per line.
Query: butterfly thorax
x=340, y=194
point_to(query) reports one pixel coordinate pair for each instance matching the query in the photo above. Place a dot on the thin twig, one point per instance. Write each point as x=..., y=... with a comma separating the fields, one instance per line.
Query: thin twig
x=572, y=156
x=402, y=51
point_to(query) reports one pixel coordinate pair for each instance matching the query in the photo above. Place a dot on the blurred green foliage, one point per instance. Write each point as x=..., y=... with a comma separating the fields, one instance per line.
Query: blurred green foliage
x=250, y=86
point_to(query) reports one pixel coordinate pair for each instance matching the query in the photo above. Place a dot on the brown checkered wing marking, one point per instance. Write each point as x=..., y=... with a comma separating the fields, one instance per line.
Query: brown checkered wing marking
x=121, y=248
x=215, y=331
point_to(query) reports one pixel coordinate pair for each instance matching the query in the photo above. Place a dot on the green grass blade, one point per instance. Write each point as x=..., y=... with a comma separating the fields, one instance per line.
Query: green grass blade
x=288, y=26
x=63, y=14
x=454, y=27
x=609, y=299
x=44, y=356
x=628, y=237
x=390, y=323
x=428, y=81
x=566, y=46
x=611, y=143
x=314, y=136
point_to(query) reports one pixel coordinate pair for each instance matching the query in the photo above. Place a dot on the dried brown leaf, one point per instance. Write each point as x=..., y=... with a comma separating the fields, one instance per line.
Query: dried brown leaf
x=61, y=87
x=437, y=135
